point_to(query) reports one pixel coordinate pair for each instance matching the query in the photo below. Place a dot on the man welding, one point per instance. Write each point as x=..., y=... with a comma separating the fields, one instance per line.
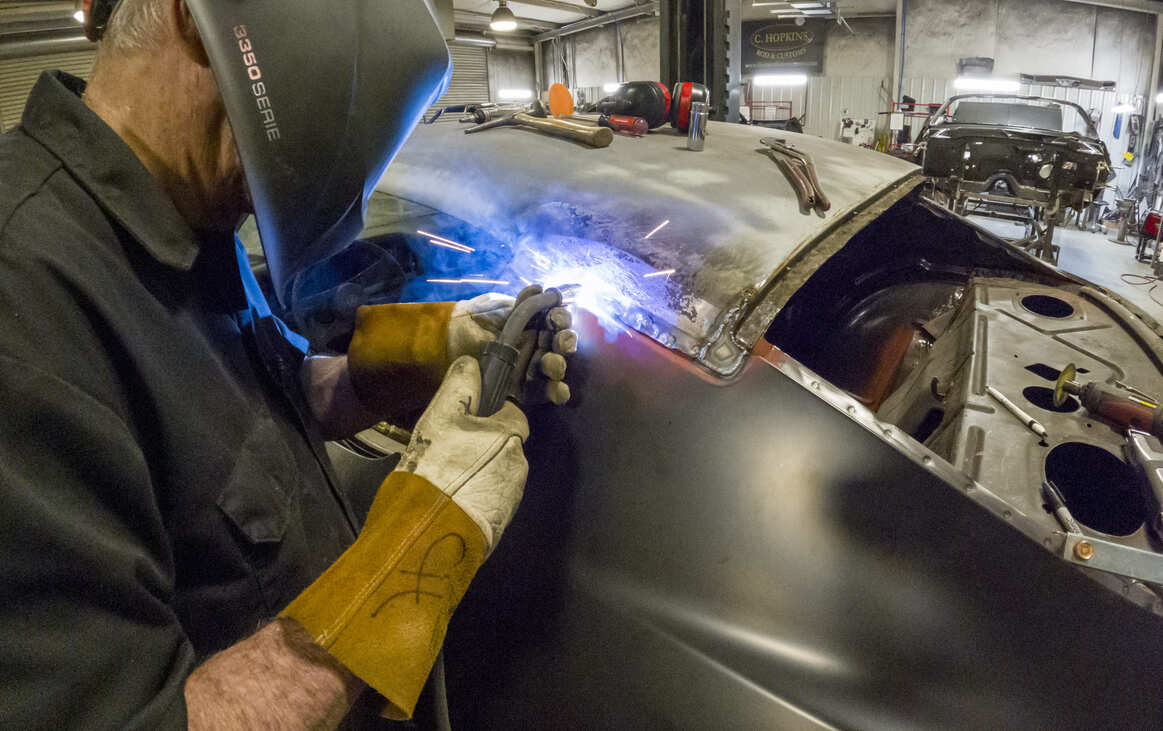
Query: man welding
x=174, y=549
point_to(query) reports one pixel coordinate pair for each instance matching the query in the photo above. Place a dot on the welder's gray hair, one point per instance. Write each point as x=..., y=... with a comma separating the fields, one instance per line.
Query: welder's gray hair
x=136, y=25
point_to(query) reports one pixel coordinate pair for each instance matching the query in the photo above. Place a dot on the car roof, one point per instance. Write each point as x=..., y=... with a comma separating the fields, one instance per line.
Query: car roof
x=733, y=218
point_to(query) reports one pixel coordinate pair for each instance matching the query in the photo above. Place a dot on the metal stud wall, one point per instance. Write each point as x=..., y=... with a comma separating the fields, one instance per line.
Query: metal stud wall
x=18, y=75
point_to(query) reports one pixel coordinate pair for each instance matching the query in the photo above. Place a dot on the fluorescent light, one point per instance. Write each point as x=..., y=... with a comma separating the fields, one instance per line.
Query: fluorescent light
x=611, y=87
x=1159, y=99
x=780, y=80
x=515, y=93
x=806, y=6
x=975, y=83
x=79, y=16
x=503, y=19
x=821, y=11
x=1120, y=108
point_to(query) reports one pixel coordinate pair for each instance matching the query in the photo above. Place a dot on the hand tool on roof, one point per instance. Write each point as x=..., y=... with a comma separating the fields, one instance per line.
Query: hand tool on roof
x=1110, y=403
x=535, y=117
x=798, y=168
x=481, y=113
x=561, y=107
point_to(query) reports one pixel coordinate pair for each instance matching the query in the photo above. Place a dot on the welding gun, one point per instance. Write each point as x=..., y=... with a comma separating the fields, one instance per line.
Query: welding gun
x=503, y=356
x=1110, y=403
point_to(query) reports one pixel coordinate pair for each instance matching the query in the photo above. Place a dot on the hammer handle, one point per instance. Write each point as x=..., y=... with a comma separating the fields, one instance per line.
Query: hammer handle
x=592, y=136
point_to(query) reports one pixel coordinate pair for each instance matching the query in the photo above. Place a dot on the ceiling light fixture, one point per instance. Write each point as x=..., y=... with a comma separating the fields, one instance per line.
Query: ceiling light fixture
x=503, y=19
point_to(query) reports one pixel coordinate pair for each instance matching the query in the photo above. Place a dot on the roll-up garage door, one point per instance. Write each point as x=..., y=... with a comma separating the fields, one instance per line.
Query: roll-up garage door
x=18, y=75
x=470, y=79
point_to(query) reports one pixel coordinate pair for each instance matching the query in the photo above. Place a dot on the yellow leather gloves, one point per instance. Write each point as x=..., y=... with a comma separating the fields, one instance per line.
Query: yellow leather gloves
x=383, y=607
x=398, y=354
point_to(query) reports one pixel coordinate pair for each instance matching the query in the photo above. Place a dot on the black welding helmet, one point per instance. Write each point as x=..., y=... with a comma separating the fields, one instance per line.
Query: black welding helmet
x=320, y=94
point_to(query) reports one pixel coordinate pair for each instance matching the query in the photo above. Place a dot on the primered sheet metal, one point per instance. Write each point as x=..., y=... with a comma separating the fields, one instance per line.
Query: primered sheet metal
x=731, y=218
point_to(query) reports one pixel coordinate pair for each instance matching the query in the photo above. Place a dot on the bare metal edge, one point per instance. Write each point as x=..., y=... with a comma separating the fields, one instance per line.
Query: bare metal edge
x=1121, y=569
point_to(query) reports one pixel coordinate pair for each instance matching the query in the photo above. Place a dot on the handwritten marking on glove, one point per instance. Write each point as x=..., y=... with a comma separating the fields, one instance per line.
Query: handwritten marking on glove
x=444, y=583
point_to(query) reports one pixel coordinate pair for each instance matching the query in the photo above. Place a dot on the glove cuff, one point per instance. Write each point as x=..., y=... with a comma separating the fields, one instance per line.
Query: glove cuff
x=383, y=607
x=399, y=354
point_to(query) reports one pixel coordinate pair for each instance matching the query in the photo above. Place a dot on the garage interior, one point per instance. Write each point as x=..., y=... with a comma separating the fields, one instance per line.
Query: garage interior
x=869, y=58
x=872, y=56
x=969, y=202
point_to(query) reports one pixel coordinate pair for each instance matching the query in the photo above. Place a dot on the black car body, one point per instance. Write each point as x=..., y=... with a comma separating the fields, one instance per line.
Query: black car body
x=781, y=496
x=1045, y=152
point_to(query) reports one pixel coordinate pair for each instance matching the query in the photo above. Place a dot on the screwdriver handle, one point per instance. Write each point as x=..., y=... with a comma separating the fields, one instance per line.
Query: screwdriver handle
x=633, y=126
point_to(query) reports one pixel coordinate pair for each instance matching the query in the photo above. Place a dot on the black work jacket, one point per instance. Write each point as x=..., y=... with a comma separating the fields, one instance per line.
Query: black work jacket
x=160, y=498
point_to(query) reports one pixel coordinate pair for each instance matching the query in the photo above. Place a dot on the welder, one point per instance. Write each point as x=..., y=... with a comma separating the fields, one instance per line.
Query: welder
x=174, y=546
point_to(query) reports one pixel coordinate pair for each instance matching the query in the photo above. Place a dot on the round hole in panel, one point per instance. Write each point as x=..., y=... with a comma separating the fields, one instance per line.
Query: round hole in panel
x=1100, y=490
x=1047, y=306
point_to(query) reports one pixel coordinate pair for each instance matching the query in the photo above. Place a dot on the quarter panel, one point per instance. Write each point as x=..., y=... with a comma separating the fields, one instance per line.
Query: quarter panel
x=692, y=551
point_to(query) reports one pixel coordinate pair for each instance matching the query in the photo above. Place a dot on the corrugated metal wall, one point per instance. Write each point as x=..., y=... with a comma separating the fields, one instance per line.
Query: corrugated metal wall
x=18, y=75
x=470, y=79
x=828, y=99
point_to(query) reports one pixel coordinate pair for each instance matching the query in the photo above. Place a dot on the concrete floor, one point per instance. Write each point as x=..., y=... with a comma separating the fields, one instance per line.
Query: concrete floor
x=1096, y=258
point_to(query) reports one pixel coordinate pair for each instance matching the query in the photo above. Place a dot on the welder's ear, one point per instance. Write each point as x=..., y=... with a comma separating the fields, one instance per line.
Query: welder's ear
x=187, y=32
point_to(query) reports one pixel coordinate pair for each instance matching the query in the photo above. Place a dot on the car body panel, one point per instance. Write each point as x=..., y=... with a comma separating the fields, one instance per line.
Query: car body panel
x=758, y=547
x=692, y=553
x=1012, y=153
x=733, y=219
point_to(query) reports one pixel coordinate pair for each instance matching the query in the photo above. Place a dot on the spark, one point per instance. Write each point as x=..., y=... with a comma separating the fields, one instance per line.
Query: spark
x=454, y=247
x=662, y=273
x=466, y=249
x=657, y=228
x=468, y=280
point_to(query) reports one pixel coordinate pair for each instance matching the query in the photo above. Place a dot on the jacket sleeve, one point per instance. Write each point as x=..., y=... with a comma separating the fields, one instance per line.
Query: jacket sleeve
x=87, y=635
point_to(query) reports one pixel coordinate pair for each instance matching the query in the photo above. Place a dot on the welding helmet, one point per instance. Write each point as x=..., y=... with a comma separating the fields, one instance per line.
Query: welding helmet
x=320, y=94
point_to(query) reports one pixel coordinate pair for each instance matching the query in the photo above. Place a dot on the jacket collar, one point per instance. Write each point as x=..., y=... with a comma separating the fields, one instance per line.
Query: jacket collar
x=107, y=168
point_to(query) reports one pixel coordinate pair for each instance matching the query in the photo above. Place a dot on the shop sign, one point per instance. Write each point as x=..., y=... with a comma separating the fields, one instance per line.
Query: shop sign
x=771, y=46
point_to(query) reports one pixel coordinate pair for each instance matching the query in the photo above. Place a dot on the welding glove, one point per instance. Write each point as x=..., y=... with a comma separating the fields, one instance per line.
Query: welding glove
x=399, y=352
x=383, y=607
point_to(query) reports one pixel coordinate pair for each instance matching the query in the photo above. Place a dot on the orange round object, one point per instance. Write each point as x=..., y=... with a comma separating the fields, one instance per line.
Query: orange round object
x=560, y=101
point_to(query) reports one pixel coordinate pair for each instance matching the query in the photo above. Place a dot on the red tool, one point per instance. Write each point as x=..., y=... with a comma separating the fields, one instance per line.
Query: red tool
x=632, y=126
x=686, y=93
x=1110, y=403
